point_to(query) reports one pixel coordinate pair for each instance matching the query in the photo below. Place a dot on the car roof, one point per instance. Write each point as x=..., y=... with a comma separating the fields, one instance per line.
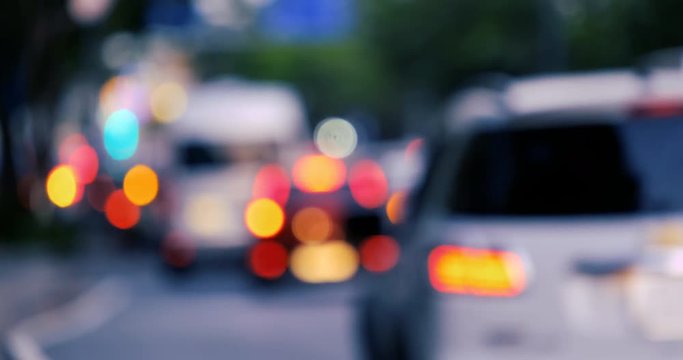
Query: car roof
x=241, y=112
x=600, y=96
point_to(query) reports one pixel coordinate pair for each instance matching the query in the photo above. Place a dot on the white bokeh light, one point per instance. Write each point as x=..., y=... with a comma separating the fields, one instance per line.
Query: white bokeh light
x=336, y=138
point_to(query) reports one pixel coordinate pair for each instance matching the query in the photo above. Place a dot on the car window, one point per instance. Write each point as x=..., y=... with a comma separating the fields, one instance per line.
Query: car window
x=198, y=154
x=628, y=167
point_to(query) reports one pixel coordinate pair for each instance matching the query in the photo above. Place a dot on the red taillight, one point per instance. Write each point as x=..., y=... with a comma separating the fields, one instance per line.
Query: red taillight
x=272, y=182
x=268, y=260
x=658, y=108
x=379, y=253
x=318, y=174
x=481, y=272
x=368, y=184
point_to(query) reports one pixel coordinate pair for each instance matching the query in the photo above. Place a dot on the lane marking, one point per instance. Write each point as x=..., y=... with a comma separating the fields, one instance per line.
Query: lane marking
x=88, y=312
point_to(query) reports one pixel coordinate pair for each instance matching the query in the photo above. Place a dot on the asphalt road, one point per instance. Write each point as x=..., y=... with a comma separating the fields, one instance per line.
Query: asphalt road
x=214, y=314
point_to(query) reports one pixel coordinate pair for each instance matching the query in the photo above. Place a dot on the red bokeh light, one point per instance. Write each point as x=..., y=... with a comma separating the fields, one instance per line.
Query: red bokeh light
x=120, y=212
x=85, y=163
x=268, y=260
x=414, y=147
x=178, y=251
x=368, y=184
x=272, y=182
x=69, y=145
x=379, y=253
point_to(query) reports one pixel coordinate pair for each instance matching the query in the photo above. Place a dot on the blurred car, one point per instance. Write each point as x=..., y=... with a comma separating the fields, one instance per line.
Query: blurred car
x=548, y=235
x=230, y=128
x=321, y=219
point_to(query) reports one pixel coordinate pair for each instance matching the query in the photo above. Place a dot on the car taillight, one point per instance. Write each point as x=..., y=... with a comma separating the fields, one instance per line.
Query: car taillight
x=658, y=109
x=480, y=272
x=318, y=174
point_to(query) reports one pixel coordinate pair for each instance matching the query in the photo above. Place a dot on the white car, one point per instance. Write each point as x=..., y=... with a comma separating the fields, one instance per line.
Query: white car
x=541, y=237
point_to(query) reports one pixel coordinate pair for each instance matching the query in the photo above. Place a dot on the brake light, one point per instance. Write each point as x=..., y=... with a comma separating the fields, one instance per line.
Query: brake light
x=480, y=272
x=272, y=182
x=658, y=108
x=318, y=174
x=368, y=184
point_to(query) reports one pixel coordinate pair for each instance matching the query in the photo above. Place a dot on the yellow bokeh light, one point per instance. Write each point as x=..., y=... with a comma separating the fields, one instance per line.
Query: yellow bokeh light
x=318, y=173
x=330, y=262
x=141, y=185
x=311, y=225
x=61, y=186
x=264, y=217
x=168, y=102
x=396, y=206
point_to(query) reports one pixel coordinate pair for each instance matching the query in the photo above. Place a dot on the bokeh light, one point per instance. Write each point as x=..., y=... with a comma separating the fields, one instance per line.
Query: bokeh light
x=85, y=163
x=312, y=225
x=396, y=207
x=168, y=102
x=329, y=262
x=414, y=147
x=87, y=12
x=141, y=185
x=120, y=212
x=336, y=138
x=264, y=218
x=379, y=253
x=121, y=134
x=272, y=182
x=368, y=184
x=482, y=272
x=124, y=92
x=268, y=260
x=80, y=191
x=62, y=186
x=178, y=251
x=206, y=215
x=69, y=145
x=318, y=173
x=99, y=190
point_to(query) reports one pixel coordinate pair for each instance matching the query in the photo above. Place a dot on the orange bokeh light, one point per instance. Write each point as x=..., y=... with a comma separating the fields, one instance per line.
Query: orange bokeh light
x=368, y=184
x=318, y=173
x=264, y=218
x=120, y=212
x=379, y=253
x=272, y=182
x=141, y=185
x=396, y=207
x=312, y=225
x=482, y=272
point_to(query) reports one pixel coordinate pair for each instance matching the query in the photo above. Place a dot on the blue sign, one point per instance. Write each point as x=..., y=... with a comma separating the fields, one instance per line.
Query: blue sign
x=308, y=20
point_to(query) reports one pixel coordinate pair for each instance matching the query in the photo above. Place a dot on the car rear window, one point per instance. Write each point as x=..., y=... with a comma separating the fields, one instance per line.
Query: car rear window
x=198, y=154
x=624, y=167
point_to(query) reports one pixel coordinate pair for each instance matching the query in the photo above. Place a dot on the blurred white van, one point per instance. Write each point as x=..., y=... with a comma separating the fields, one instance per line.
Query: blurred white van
x=230, y=129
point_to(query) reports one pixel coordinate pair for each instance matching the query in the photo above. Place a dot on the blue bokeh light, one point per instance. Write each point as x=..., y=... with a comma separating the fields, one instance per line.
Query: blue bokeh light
x=121, y=134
